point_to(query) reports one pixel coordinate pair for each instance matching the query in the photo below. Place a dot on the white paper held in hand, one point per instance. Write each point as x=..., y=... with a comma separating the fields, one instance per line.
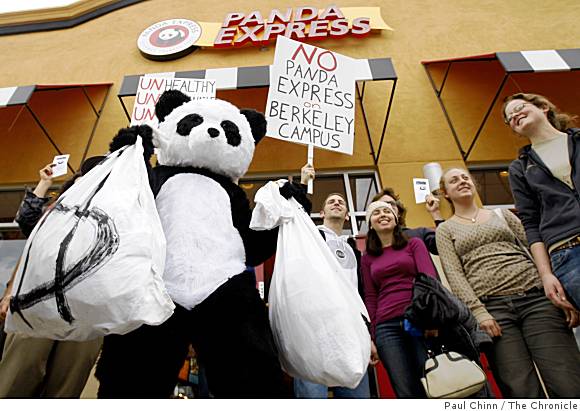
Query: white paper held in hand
x=60, y=165
x=421, y=189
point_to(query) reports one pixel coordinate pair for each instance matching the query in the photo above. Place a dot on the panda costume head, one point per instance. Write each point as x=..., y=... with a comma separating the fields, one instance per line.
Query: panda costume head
x=211, y=134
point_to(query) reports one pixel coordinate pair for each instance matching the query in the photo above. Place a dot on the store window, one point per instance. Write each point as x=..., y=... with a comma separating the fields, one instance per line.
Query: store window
x=10, y=199
x=358, y=187
x=494, y=187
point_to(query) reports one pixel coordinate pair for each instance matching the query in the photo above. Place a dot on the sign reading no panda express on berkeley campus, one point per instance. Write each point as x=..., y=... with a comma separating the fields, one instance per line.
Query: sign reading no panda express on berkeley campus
x=151, y=87
x=311, y=97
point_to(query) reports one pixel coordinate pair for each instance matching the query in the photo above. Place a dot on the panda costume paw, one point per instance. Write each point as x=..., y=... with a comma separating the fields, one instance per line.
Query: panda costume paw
x=128, y=136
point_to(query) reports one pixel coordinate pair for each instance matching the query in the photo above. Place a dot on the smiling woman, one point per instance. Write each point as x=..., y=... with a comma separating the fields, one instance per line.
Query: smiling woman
x=389, y=268
x=545, y=183
x=489, y=269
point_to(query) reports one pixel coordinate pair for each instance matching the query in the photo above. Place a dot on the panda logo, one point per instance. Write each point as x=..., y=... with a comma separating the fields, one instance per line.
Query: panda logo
x=169, y=36
x=169, y=39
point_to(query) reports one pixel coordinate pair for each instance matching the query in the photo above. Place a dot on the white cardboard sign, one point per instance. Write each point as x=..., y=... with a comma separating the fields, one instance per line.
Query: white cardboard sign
x=311, y=96
x=421, y=188
x=151, y=87
x=60, y=165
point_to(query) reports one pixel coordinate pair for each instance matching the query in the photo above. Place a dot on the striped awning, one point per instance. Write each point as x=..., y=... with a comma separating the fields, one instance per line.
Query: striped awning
x=540, y=60
x=19, y=95
x=14, y=96
x=526, y=61
x=234, y=78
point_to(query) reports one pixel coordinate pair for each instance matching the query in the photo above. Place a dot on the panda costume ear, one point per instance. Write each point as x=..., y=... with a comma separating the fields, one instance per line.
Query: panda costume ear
x=257, y=123
x=169, y=101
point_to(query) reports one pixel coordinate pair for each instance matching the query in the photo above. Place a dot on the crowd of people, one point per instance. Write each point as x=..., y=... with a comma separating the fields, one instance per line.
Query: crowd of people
x=515, y=278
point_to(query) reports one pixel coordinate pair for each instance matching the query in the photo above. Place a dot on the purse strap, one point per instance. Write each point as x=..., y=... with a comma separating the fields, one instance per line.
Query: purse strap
x=519, y=242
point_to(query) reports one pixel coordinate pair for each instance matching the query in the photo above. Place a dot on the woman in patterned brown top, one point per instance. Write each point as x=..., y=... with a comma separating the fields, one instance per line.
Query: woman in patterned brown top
x=491, y=273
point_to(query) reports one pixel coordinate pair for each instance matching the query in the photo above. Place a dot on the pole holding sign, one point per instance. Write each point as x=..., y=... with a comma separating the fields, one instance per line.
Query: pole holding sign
x=310, y=161
x=311, y=96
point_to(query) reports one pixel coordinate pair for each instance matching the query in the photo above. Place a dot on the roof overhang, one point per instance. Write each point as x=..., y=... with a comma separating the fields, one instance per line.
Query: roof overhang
x=48, y=119
x=480, y=83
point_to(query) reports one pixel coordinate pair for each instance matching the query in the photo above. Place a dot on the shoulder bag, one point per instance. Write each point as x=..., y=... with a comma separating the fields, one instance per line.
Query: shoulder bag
x=452, y=375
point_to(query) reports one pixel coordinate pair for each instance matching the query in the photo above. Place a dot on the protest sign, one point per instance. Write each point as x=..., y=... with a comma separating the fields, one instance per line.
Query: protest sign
x=152, y=86
x=311, y=96
x=60, y=165
x=421, y=189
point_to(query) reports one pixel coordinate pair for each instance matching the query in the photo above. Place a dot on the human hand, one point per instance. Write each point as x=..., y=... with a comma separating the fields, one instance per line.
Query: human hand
x=374, y=354
x=45, y=173
x=4, y=306
x=432, y=204
x=491, y=327
x=307, y=173
x=555, y=292
x=572, y=317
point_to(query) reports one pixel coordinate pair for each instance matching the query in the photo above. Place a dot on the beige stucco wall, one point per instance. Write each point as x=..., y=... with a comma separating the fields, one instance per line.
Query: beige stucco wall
x=104, y=50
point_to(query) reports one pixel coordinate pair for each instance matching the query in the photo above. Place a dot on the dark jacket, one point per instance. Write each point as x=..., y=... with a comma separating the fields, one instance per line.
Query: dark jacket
x=435, y=307
x=427, y=235
x=30, y=211
x=548, y=208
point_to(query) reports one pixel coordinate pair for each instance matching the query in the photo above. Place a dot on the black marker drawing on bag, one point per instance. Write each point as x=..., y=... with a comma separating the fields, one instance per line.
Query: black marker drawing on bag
x=104, y=246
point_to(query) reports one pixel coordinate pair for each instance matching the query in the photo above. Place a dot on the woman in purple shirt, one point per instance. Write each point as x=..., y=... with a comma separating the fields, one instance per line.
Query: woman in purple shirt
x=389, y=268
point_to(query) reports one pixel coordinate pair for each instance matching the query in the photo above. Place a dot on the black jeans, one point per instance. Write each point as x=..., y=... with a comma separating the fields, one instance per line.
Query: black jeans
x=533, y=331
x=230, y=333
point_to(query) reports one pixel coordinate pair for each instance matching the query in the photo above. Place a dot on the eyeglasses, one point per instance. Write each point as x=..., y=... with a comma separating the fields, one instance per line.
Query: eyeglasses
x=515, y=111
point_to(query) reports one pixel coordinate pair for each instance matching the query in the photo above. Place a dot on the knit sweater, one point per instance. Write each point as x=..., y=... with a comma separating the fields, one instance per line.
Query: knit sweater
x=484, y=260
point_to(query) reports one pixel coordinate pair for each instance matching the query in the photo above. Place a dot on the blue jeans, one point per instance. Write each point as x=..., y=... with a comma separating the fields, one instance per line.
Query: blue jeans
x=307, y=389
x=403, y=356
x=566, y=266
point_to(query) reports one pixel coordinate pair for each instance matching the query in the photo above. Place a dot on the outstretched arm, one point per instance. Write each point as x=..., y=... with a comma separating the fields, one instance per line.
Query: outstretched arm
x=128, y=136
x=298, y=191
x=32, y=205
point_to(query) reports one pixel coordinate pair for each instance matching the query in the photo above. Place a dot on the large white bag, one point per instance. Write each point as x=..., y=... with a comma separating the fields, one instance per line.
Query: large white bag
x=316, y=314
x=93, y=265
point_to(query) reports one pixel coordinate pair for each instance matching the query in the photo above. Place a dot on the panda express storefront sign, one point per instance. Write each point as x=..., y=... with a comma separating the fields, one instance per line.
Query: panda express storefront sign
x=171, y=39
x=301, y=23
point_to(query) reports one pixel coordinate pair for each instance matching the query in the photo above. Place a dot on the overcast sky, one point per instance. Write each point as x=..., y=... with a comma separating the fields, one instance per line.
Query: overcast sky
x=7, y=6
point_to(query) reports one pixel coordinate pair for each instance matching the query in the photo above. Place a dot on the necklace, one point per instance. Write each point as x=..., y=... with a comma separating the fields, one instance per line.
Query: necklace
x=473, y=219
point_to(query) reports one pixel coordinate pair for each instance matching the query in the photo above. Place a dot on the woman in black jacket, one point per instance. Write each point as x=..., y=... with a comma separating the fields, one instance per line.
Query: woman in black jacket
x=545, y=183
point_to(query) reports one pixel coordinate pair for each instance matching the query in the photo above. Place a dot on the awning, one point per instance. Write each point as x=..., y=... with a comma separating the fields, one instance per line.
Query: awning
x=471, y=89
x=40, y=121
x=240, y=78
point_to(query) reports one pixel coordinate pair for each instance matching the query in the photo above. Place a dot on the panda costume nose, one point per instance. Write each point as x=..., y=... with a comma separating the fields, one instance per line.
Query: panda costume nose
x=213, y=132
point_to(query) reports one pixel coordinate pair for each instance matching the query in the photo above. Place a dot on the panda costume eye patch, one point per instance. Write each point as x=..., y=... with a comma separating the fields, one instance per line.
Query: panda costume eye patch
x=187, y=123
x=232, y=133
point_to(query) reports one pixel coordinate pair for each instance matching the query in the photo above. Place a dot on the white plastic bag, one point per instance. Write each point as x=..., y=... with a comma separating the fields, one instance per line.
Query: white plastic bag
x=316, y=314
x=93, y=264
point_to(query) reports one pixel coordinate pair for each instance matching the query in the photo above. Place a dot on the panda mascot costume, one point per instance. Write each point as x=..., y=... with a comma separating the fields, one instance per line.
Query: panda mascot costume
x=203, y=148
